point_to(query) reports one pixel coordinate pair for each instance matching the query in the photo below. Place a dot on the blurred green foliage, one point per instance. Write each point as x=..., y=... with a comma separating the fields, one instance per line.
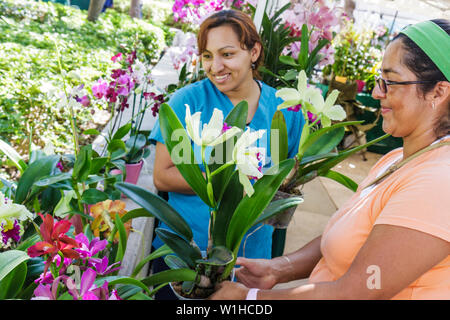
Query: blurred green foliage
x=30, y=78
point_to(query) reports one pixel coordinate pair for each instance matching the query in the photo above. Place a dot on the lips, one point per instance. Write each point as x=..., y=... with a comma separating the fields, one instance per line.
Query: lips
x=385, y=110
x=221, y=78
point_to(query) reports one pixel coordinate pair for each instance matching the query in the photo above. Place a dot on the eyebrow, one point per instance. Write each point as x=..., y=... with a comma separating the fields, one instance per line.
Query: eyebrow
x=389, y=70
x=223, y=48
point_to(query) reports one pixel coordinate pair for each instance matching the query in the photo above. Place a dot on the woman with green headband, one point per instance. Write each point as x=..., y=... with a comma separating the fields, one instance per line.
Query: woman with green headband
x=391, y=240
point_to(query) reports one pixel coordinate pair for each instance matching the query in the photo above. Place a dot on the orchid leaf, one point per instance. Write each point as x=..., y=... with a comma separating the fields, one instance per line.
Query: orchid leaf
x=156, y=206
x=218, y=256
x=278, y=132
x=183, y=249
x=276, y=207
x=170, y=276
x=12, y=284
x=342, y=179
x=13, y=156
x=174, y=262
x=9, y=260
x=161, y=251
x=250, y=208
x=122, y=238
x=326, y=142
x=40, y=168
x=233, y=194
x=222, y=153
x=179, y=146
x=122, y=131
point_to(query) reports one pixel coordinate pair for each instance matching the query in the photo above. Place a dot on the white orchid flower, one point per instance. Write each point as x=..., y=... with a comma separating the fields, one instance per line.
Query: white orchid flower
x=212, y=133
x=326, y=109
x=10, y=210
x=297, y=96
x=248, y=159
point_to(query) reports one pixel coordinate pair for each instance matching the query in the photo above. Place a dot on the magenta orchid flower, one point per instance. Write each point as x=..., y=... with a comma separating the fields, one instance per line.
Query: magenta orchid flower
x=101, y=266
x=88, y=290
x=89, y=249
x=117, y=57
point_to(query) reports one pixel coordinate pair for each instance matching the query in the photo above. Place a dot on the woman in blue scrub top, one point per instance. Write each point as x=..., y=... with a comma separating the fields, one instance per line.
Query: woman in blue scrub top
x=230, y=51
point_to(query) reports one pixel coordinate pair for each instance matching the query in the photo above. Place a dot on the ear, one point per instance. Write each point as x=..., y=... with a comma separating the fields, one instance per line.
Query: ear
x=255, y=52
x=441, y=92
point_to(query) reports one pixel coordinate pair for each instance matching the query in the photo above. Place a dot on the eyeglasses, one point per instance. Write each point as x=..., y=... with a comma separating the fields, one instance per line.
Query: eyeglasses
x=382, y=83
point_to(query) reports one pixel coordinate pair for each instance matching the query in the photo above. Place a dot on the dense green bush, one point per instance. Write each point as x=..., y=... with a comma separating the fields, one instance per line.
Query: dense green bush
x=30, y=78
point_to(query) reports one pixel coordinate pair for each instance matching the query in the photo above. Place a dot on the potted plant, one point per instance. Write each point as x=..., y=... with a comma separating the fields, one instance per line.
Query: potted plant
x=317, y=152
x=236, y=204
x=129, y=88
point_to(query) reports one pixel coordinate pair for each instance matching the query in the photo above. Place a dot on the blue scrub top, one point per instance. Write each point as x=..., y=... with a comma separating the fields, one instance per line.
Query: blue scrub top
x=204, y=96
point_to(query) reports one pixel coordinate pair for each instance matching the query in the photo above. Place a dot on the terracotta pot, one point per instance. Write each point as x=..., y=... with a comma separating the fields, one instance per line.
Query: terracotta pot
x=282, y=219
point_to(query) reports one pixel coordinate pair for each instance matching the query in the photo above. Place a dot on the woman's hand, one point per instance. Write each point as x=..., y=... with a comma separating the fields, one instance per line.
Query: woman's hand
x=228, y=290
x=257, y=273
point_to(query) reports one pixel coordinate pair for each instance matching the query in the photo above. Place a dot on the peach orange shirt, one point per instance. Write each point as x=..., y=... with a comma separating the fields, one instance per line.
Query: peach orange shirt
x=416, y=196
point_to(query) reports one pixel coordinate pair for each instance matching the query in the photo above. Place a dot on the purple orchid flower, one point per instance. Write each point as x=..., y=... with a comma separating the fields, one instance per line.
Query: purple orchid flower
x=13, y=233
x=295, y=108
x=101, y=265
x=89, y=249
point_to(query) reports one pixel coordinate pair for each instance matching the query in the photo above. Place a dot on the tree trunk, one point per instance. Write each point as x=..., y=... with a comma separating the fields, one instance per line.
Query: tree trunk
x=95, y=8
x=135, y=9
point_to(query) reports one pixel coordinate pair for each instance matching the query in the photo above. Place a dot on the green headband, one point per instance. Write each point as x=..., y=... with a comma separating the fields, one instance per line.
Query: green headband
x=434, y=41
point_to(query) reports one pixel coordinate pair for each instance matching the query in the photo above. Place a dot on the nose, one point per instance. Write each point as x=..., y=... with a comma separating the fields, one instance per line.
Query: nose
x=216, y=65
x=377, y=93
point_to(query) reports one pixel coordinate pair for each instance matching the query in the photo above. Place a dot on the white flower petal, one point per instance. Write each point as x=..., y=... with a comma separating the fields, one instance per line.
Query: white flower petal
x=248, y=188
x=336, y=112
x=288, y=94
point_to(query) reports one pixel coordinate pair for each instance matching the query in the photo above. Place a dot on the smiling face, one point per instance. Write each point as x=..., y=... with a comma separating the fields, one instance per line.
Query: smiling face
x=225, y=62
x=404, y=108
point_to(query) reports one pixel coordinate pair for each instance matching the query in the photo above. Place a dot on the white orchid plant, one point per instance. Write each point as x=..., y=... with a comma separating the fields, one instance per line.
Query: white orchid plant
x=322, y=132
x=236, y=204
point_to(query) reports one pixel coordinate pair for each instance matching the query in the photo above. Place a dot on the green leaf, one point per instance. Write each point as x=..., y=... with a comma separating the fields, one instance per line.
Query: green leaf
x=278, y=138
x=122, y=131
x=314, y=136
x=28, y=242
x=222, y=153
x=278, y=206
x=233, y=194
x=326, y=142
x=40, y=168
x=51, y=179
x=97, y=164
x=183, y=249
x=9, y=260
x=171, y=128
x=13, y=156
x=115, y=145
x=342, y=179
x=250, y=208
x=93, y=196
x=158, y=207
x=161, y=251
x=304, y=48
x=91, y=131
x=82, y=165
x=12, y=284
x=174, y=262
x=168, y=276
x=218, y=256
x=289, y=61
x=122, y=238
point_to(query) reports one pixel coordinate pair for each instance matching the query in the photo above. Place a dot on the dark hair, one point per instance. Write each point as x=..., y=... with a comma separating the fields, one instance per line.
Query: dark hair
x=242, y=25
x=424, y=68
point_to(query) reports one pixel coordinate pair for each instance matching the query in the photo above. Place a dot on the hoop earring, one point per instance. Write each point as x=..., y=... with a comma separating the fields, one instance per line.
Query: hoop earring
x=433, y=106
